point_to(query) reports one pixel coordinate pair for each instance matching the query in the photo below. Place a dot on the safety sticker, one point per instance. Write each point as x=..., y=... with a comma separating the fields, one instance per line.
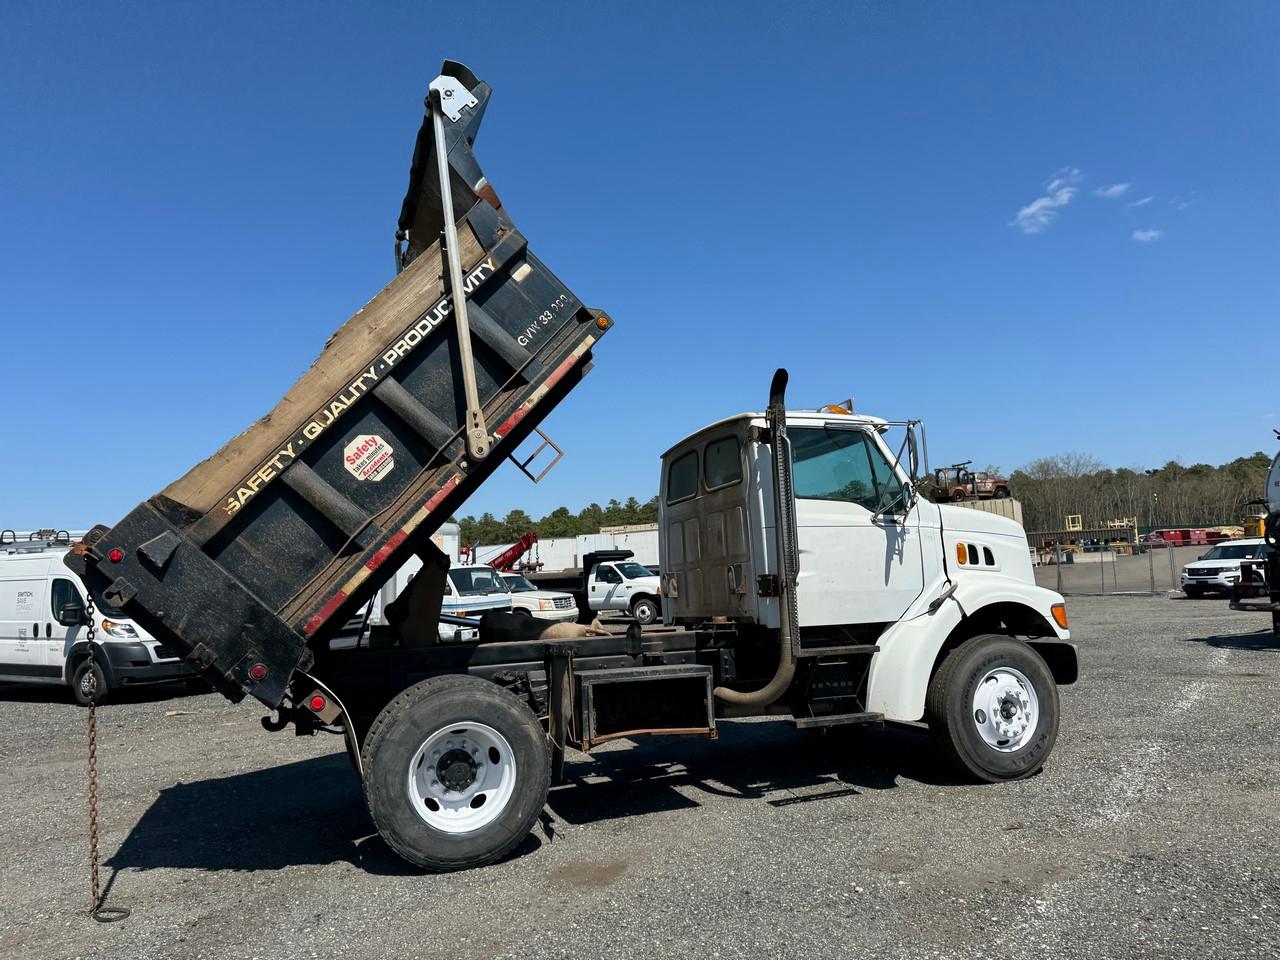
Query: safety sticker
x=368, y=457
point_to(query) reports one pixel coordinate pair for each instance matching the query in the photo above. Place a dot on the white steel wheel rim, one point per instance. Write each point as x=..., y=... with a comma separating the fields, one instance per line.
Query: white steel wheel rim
x=1006, y=710
x=462, y=777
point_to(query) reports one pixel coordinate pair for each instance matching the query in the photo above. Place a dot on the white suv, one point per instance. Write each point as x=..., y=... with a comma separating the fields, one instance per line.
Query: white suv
x=1218, y=569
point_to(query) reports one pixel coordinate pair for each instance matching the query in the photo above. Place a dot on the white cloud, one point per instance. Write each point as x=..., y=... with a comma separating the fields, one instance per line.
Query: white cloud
x=1140, y=203
x=1147, y=236
x=1113, y=191
x=1036, y=216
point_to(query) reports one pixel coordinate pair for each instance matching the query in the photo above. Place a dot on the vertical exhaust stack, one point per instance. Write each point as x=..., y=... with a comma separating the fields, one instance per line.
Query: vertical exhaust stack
x=786, y=545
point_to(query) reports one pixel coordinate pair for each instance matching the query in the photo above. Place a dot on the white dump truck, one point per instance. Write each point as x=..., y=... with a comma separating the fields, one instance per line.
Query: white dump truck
x=804, y=576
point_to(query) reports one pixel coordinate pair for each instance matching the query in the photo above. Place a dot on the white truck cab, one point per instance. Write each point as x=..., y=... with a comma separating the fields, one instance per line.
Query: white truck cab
x=625, y=586
x=877, y=568
x=44, y=620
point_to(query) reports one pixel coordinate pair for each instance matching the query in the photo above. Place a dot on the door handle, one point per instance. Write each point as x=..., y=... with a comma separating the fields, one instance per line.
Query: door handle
x=48, y=629
x=35, y=631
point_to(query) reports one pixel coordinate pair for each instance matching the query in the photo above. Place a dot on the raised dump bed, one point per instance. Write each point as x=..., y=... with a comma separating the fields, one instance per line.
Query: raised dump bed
x=262, y=551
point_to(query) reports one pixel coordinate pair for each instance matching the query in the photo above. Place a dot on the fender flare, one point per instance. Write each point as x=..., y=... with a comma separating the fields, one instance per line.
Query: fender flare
x=79, y=651
x=911, y=650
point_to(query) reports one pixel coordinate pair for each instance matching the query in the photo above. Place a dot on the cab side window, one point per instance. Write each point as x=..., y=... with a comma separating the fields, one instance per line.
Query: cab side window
x=63, y=593
x=682, y=477
x=608, y=575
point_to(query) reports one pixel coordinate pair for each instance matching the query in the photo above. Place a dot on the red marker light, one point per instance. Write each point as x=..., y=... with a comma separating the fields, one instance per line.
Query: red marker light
x=258, y=671
x=318, y=703
x=115, y=555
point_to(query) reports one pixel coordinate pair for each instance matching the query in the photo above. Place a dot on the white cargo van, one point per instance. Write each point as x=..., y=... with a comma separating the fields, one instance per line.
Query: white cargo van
x=43, y=622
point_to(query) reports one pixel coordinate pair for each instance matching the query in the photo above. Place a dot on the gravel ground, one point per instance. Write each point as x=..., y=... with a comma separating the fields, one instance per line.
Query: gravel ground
x=1151, y=832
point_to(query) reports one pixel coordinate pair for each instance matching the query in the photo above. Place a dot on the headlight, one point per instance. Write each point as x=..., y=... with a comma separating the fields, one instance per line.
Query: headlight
x=121, y=631
x=546, y=604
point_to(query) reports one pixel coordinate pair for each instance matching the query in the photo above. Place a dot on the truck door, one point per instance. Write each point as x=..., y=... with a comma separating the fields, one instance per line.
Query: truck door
x=58, y=639
x=606, y=588
x=856, y=566
x=23, y=612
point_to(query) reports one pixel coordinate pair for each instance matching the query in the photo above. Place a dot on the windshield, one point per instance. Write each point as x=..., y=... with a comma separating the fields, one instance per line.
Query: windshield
x=476, y=583
x=631, y=570
x=517, y=583
x=1233, y=551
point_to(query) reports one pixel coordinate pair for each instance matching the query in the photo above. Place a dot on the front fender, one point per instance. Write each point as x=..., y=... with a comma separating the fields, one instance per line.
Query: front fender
x=901, y=670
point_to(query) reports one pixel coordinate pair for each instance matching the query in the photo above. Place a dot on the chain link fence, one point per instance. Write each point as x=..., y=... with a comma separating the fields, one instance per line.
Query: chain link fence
x=1141, y=569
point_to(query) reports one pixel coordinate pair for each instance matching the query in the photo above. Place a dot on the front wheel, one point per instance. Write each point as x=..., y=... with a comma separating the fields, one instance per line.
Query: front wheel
x=456, y=772
x=88, y=683
x=645, y=611
x=994, y=704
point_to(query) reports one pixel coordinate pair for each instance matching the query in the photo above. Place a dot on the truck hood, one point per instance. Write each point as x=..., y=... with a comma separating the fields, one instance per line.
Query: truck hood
x=540, y=595
x=1213, y=565
x=964, y=520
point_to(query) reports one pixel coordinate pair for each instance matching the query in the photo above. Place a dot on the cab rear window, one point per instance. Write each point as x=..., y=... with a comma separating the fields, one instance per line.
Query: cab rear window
x=682, y=477
x=722, y=463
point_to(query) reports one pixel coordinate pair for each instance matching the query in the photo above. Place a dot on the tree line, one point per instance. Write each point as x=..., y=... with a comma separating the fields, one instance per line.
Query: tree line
x=560, y=522
x=1200, y=495
x=1050, y=488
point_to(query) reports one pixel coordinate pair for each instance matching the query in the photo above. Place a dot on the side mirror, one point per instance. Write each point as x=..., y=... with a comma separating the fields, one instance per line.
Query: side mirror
x=913, y=454
x=72, y=615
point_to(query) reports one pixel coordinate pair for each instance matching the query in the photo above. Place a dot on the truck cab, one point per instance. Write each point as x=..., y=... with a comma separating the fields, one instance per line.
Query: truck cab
x=472, y=591
x=878, y=565
x=625, y=586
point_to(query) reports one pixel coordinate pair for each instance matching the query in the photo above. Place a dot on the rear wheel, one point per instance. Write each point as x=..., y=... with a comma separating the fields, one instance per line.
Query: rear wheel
x=645, y=611
x=88, y=683
x=958, y=495
x=1002, y=493
x=456, y=772
x=994, y=704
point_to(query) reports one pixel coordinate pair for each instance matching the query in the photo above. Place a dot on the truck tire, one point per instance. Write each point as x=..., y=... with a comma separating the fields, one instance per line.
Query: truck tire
x=994, y=705
x=1002, y=493
x=456, y=772
x=645, y=610
x=87, y=671
x=958, y=496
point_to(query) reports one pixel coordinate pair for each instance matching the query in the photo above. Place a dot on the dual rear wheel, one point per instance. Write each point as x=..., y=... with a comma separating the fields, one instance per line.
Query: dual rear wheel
x=457, y=770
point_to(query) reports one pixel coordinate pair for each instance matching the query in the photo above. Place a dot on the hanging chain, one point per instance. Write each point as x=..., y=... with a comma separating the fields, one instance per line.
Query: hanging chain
x=96, y=909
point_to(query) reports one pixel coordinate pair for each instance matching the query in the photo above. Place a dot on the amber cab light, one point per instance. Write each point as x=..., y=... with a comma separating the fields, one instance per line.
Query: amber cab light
x=1059, y=611
x=962, y=555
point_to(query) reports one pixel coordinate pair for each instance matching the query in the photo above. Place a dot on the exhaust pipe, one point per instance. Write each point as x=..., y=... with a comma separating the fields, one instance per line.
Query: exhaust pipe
x=787, y=556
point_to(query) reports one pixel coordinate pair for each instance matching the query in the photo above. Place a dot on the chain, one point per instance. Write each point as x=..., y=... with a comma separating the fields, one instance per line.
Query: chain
x=96, y=909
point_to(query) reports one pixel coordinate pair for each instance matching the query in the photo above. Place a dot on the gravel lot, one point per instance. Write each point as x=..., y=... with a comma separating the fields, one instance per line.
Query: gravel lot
x=1151, y=832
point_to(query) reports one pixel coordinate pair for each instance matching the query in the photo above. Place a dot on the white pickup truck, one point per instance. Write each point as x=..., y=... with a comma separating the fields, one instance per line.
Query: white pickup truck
x=608, y=580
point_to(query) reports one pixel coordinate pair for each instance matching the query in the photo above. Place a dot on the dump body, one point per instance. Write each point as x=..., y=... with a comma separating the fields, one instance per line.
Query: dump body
x=259, y=553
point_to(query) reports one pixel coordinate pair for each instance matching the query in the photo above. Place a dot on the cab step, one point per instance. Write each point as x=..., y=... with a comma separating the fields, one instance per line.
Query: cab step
x=836, y=720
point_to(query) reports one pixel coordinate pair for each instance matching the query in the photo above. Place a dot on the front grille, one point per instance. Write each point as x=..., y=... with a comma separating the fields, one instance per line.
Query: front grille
x=1204, y=573
x=563, y=603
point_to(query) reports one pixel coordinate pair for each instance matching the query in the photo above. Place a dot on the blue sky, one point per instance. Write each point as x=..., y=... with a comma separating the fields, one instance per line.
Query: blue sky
x=919, y=205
